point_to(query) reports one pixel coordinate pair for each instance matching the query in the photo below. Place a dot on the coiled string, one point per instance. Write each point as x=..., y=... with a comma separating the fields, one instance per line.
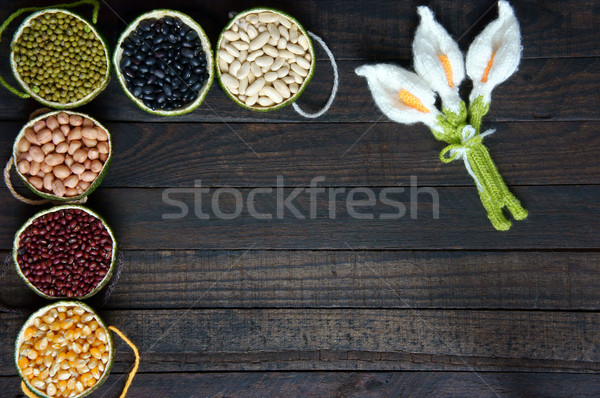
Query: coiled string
x=17, y=13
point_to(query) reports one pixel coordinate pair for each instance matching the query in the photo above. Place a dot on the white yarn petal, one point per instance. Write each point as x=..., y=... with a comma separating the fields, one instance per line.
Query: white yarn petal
x=432, y=43
x=502, y=40
x=386, y=81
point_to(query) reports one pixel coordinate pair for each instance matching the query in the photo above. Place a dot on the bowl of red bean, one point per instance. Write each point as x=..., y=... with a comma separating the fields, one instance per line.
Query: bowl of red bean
x=65, y=252
x=62, y=155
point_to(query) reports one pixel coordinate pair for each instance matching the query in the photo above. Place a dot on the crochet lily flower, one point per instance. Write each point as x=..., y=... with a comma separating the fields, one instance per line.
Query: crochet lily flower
x=408, y=98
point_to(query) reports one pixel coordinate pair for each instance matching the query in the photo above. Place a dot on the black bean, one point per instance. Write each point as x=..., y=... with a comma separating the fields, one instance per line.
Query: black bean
x=137, y=91
x=144, y=25
x=129, y=73
x=138, y=81
x=164, y=29
x=159, y=38
x=188, y=53
x=144, y=68
x=161, y=98
x=172, y=38
x=150, y=61
x=167, y=90
x=128, y=51
x=159, y=73
x=188, y=44
x=191, y=35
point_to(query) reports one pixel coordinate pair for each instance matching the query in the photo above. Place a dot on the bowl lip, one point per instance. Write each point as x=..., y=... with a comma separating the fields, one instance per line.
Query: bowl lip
x=306, y=81
x=99, y=286
x=70, y=303
x=206, y=46
x=25, y=86
x=50, y=196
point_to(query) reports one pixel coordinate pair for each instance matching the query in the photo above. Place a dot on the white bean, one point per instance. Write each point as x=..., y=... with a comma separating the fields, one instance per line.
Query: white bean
x=288, y=79
x=271, y=93
x=262, y=28
x=278, y=63
x=296, y=49
x=264, y=61
x=240, y=45
x=284, y=32
x=243, y=86
x=270, y=50
x=287, y=54
x=250, y=101
x=299, y=70
x=244, y=36
x=283, y=71
x=303, y=63
x=274, y=32
x=252, y=32
x=282, y=44
x=271, y=76
x=230, y=81
x=231, y=36
x=303, y=42
x=232, y=50
x=260, y=41
x=255, y=87
x=285, y=22
x=294, y=34
x=297, y=78
x=224, y=55
x=282, y=88
x=243, y=55
x=234, y=68
x=256, y=71
x=294, y=88
x=244, y=70
x=252, y=18
x=252, y=56
x=267, y=17
x=265, y=101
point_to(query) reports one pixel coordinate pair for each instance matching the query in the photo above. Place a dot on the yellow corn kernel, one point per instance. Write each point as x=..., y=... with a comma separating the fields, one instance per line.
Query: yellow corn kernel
x=86, y=318
x=63, y=384
x=96, y=373
x=63, y=375
x=76, y=348
x=28, y=333
x=71, y=383
x=78, y=310
x=23, y=362
x=77, y=333
x=44, y=374
x=87, y=330
x=55, y=326
x=94, y=325
x=48, y=360
x=61, y=308
x=96, y=353
x=27, y=372
x=41, y=345
x=48, y=319
x=90, y=382
x=61, y=357
x=51, y=389
x=101, y=335
x=85, y=377
x=62, y=316
x=66, y=324
x=69, y=335
x=32, y=354
x=37, y=322
x=79, y=386
x=37, y=383
x=71, y=356
x=39, y=360
x=105, y=357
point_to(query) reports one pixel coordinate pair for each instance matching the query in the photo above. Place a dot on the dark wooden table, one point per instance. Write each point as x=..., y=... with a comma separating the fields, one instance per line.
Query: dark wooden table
x=346, y=307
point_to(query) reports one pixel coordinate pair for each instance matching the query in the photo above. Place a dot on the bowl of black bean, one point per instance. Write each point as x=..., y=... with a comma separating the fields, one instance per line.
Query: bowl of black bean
x=164, y=63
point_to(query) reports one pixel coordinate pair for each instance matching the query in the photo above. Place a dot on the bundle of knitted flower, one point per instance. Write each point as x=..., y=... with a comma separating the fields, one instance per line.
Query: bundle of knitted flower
x=408, y=97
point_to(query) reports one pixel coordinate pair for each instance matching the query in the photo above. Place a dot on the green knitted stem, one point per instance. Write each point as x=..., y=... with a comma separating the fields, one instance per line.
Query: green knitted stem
x=16, y=14
x=477, y=110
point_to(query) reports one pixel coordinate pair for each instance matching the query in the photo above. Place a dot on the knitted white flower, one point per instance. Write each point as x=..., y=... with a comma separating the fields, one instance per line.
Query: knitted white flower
x=408, y=98
x=495, y=54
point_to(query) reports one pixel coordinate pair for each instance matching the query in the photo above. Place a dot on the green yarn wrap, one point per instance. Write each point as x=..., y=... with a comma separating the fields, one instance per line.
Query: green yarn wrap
x=493, y=192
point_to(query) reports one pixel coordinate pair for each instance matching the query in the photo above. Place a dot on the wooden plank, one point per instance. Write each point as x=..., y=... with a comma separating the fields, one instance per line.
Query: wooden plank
x=345, y=279
x=569, y=217
x=542, y=89
x=170, y=155
x=348, y=339
x=344, y=384
x=382, y=29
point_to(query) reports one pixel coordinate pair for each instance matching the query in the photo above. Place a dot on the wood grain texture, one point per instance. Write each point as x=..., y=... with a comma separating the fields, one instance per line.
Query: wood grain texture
x=543, y=89
x=344, y=385
x=348, y=339
x=568, y=217
x=346, y=279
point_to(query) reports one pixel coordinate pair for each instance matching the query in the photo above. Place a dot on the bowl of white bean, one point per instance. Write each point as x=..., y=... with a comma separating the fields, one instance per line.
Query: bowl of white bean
x=265, y=59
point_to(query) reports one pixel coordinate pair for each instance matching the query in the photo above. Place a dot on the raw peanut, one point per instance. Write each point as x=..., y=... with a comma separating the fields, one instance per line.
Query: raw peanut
x=93, y=153
x=103, y=157
x=48, y=147
x=234, y=68
x=77, y=168
x=75, y=134
x=224, y=55
x=58, y=188
x=88, y=176
x=270, y=51
x=24, y=156
x=80, y=156
x=34, y=168
x=72, y=192
x=299, y=70
x=44, y=136
x=96, y=166
x=82, y=186
x=23, y=145
x=271, y=93
x=52, y=123
x=36, y=153
x=63, y=118
x=102, y=134
x=264, y=61
x=57, y=136
x=54, y=159
x=23, y=167
x=267, y=17
x=283, y=72
x=229, y=81
x=48, y=180
x=86, y=123
x=260, y=41
x=31, y=136
x=65, y=129
x=103, y=147
x=255, y=87
x=61, y=172
x=282, y=88
x=88, y=142
x=69, y=160
x=73, y=146
x=37, y=182
x=63, y=147
x=253, y=55
x=40, y=124
x=265, y=101
x=89, y=132
x=71, y=181
x=252, y=32
x=271, y=76
x=46, y=168
x=87, y=164
x=231, y=36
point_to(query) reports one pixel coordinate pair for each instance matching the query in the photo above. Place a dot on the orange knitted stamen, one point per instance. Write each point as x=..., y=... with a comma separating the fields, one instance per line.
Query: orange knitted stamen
x=486, y=73
x=448, y=68
x=412, y=101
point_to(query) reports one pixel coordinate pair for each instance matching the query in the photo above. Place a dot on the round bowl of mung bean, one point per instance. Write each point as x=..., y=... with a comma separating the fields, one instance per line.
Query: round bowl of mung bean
x=64, y=350
x=264, y=59
x=62, y=155
x=164, y=63
x=65, y=252
x=60, y=59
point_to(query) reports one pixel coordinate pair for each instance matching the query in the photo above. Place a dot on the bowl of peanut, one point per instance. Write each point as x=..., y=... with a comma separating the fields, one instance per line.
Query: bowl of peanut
x=62, y=155
x=265, y=59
